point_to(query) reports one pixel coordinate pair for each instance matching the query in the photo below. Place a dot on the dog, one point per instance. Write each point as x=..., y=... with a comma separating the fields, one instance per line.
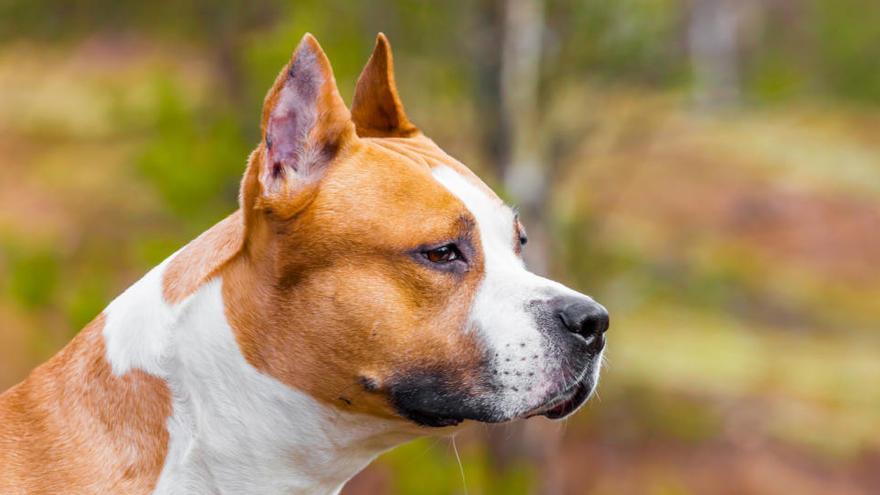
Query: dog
x=370, y=289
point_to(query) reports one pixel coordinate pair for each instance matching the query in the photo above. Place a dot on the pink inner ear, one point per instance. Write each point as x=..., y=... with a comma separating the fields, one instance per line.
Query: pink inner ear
x=294, y=115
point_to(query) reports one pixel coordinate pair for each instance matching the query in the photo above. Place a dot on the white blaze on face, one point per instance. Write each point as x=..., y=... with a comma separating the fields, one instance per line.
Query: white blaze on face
x=527, y=365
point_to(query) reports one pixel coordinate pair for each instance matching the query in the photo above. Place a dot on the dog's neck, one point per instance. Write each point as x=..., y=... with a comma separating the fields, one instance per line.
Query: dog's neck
x=232, y=428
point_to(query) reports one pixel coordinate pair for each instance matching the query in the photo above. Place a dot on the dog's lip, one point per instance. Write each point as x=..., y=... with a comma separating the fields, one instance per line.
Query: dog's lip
x=565, y=403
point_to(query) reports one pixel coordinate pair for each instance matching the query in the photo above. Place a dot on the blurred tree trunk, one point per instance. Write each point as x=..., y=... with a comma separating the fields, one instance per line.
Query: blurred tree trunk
x=508, y=71
x=523, y=176
x=225, y=28
x=488, y=43
x=714, y=52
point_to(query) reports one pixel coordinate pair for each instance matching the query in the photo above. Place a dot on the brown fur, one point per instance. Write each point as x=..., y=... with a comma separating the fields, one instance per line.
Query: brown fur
x=74, y=427
x=340, y=292
x=202, y=258
x=376, y=109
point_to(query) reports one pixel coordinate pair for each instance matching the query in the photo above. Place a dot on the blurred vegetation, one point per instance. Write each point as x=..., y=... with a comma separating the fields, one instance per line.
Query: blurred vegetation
x=737, y=246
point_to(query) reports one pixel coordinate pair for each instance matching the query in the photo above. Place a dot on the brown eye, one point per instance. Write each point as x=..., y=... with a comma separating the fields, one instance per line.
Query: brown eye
x=443, y=254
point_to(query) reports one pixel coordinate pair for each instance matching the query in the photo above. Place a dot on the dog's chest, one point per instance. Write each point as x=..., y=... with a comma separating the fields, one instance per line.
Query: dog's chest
x=232, y=429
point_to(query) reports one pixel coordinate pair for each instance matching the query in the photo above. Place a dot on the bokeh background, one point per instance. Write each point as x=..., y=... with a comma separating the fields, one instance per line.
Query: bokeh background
x=707, y=169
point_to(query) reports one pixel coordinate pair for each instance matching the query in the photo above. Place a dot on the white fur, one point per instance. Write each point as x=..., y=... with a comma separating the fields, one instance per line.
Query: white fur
x=233, y=429
x=137, y=330
x=500, y=309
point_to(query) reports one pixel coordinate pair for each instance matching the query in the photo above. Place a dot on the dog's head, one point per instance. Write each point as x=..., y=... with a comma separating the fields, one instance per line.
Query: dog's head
x=389, y=277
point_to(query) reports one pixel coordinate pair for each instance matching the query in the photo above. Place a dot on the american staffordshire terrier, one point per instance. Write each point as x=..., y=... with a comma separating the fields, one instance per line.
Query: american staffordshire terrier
x=369, y=290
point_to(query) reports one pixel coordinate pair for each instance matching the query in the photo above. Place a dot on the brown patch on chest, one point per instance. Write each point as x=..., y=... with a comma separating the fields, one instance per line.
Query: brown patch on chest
x=74, y=427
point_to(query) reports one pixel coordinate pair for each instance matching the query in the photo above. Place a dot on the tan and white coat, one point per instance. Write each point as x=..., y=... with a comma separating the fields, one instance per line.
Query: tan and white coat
x=294, y=341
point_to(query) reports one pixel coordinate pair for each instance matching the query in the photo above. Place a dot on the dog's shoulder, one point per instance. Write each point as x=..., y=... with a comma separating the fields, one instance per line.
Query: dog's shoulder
x=72, y=421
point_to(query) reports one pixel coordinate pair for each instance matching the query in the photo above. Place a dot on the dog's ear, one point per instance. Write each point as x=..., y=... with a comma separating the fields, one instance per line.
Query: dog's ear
x=376, y=109
x=306, y=125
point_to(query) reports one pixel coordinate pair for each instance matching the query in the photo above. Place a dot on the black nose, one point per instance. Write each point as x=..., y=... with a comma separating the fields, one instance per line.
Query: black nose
x=582, y=316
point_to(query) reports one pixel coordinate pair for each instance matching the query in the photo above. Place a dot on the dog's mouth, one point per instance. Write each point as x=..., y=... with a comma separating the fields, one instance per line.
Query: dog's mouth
x=564, y=403
x=430, y=399
x=561, y=406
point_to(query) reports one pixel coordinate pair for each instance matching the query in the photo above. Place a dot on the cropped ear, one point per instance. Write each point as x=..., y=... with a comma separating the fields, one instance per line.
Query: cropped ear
x=376, y=109
x=306, y=125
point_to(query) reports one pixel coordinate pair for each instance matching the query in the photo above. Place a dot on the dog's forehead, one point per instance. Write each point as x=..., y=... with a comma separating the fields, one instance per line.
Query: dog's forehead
x=495, y=219
x=425, y=152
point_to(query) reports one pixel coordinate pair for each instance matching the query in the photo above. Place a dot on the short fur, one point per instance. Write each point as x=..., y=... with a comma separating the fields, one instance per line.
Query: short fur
x=291, y=343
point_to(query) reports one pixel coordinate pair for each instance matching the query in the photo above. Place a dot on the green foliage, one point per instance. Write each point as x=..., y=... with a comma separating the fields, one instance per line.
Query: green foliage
x=196, y=157
x=798, y=48
x=430, y=467
x=53, y=20
x=775, y=78
x=33, y=274
x=87, y=296
x=849, y=33
x=633, y=40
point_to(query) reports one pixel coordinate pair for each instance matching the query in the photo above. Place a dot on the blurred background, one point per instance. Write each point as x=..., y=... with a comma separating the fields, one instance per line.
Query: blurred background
x=707, y=169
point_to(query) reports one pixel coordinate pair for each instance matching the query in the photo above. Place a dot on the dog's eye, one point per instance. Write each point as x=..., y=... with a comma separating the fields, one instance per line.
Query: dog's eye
x=520, y=233
x=443, y=254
